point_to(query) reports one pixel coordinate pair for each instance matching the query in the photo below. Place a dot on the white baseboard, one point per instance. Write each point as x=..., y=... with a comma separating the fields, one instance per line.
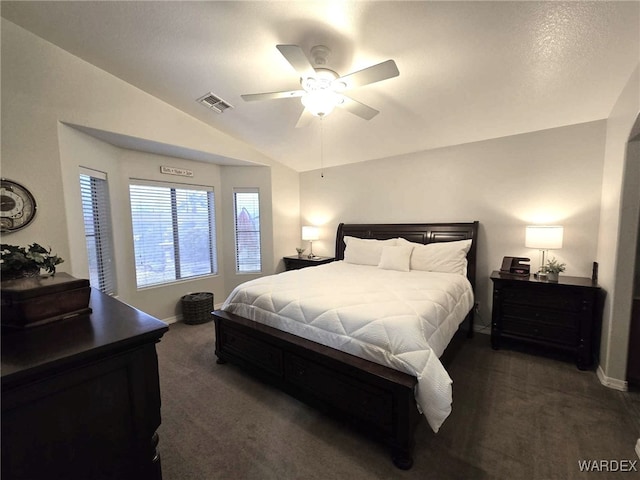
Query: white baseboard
x=638, y=448
x=609, y=382
x=174, y=319
x=178, y=318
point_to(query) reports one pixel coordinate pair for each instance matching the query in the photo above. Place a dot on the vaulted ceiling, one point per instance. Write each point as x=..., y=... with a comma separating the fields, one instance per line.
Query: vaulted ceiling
x=469, y=71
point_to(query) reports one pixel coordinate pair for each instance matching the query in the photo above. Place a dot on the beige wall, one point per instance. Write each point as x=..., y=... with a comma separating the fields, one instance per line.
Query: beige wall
x=43, y=86
x=618, y=230
x=552, y=176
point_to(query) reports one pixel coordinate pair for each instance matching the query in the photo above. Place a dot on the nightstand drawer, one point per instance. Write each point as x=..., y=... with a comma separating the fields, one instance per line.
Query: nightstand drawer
x=550, y=332
x=541, y=316
x=569, y=300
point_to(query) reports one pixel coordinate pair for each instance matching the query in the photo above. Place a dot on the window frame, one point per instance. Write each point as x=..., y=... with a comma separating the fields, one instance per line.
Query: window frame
x=102, y=236
x=255, y=191
x=173, y=190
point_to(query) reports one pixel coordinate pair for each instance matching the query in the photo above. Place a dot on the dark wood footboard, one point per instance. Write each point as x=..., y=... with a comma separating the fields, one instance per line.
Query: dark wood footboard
x=376, y=399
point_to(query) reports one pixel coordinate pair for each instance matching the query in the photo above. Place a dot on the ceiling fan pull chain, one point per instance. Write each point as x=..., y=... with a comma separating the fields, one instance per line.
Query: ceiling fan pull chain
x=322, y=147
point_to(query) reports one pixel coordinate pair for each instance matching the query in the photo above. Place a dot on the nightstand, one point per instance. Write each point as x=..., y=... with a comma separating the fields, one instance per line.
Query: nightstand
x=295, y=262
x=563, y=315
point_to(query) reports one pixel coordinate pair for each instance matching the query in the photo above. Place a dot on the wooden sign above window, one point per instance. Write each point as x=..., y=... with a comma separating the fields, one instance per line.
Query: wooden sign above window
x=183, y=172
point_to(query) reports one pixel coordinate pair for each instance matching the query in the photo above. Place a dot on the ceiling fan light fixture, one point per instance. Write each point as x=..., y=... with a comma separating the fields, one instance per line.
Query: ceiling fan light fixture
x=339, y=85
x=321, y=102
x=323, y=80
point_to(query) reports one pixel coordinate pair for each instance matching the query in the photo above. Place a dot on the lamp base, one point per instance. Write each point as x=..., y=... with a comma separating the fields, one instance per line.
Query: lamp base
x=540, y=275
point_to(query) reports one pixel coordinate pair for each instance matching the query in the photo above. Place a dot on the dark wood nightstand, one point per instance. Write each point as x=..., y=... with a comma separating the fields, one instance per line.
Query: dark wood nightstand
x=294, y=262
x=563, y=315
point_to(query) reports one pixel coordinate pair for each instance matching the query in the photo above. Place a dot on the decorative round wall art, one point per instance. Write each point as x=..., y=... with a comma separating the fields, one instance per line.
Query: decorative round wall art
x=18, y=206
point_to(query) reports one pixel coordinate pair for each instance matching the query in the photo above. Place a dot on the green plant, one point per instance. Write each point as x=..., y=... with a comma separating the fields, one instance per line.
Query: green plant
x=16, y=261
x=553, y=266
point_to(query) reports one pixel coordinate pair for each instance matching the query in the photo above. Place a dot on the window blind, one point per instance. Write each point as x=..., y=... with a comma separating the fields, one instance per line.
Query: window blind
x=96, y=215
x=173, y=231
x=247, y=230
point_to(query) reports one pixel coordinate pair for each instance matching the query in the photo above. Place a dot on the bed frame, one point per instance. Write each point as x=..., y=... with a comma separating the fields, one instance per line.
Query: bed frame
x=375, y=399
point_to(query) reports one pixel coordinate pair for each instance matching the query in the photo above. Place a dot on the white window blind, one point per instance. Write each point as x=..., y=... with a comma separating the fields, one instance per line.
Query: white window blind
x=173, y=231
x=247, y=225
x=96, y=215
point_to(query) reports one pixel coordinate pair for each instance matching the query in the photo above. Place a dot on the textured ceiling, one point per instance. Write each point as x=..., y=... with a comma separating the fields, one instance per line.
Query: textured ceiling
x=469, y=71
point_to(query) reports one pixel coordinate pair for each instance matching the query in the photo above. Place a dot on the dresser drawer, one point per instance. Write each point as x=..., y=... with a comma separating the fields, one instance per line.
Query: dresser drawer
x=259, y=353
x=540, y=297
x=354, y=398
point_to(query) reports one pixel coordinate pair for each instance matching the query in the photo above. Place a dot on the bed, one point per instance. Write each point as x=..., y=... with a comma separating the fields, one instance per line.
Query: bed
x=308, y=331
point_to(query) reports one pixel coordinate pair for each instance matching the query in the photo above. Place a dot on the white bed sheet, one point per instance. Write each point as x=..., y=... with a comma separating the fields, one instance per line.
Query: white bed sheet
x=403, y=320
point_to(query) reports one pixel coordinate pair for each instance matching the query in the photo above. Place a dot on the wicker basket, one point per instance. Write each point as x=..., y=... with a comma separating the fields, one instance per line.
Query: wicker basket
x=197, y=307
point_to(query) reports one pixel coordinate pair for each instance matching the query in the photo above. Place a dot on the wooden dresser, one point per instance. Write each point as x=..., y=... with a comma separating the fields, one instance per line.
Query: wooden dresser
x=81, y=396
x=564, y=315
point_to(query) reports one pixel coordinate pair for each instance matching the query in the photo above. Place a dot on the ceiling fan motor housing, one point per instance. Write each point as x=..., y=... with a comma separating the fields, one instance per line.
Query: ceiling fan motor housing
x=319, y=54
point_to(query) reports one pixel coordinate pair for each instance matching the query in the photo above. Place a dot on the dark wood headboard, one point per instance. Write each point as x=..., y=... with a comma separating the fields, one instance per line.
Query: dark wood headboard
x=414, y=232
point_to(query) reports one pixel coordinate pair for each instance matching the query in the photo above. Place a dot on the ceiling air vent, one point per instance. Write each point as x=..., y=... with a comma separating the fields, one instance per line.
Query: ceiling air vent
x=214, y=103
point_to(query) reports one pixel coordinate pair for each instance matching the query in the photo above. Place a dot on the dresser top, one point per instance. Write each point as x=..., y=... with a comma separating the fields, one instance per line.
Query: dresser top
x=112, y=326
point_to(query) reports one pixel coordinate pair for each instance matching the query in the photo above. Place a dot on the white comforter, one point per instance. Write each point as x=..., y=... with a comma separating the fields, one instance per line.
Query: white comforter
x=403, y=320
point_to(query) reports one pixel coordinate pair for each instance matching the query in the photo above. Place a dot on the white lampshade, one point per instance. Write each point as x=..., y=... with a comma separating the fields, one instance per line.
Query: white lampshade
x=544, y=237
x=310, y=233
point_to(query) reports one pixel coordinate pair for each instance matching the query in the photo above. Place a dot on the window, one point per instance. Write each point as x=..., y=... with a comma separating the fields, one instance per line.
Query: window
x=247, y=221
x=174, y=232
x=97, y=229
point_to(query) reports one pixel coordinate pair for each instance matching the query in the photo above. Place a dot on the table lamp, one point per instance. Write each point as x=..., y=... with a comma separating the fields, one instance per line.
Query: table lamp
x=310, y=234
x=543, y=237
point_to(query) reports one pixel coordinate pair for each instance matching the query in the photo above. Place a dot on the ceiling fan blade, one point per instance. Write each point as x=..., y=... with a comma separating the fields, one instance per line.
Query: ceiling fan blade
x=375, y=73
x=359, y=109
x=251, y=97
x=298, y=60
x=305, y=119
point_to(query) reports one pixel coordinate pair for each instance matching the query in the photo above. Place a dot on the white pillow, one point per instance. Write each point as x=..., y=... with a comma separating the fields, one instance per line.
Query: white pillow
x=396, y=257
x=446, y=257
x=365, y=251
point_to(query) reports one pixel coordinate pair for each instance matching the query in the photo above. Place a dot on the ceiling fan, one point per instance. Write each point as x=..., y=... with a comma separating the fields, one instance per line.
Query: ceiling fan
x=322, y=88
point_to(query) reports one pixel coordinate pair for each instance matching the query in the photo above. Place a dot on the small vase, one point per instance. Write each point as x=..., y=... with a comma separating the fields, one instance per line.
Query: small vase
x=552, y=277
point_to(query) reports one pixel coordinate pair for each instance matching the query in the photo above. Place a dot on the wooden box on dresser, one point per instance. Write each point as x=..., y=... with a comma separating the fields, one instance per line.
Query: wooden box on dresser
x=564, y=315
x=81, y=396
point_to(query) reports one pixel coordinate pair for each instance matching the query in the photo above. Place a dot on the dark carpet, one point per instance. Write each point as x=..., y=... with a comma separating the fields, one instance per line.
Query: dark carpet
x=516, y=415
